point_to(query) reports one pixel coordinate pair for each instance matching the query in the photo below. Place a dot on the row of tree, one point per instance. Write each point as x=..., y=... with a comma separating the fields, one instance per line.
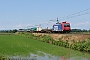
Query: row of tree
x=79, y=30
x=15, y=30
x=8, y=31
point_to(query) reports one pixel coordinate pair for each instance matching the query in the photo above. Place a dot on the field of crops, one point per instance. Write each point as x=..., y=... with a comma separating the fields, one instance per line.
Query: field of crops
x=16, y=44
x=24, y=44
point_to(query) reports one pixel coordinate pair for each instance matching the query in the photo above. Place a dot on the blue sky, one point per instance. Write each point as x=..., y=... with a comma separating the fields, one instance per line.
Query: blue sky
x=15, y=14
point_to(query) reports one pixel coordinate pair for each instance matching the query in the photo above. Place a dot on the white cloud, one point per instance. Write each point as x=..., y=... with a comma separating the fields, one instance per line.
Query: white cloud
x=22, y=26
x=19, y=25
x=82, y=24
x=28, y=24
x=2, y=26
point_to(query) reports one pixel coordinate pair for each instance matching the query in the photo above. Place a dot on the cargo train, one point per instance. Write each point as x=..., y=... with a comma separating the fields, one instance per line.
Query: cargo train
x=63, y=27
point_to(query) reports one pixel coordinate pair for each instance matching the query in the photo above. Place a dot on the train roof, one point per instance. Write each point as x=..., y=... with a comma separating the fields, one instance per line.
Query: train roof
x=65, y=22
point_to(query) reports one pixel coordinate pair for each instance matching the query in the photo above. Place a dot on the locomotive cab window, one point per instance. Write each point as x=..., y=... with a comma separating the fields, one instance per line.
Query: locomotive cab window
x=66, y=25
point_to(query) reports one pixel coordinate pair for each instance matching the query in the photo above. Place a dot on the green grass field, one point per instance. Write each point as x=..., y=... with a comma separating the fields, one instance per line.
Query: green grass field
x=20, y=45
x=15, y=44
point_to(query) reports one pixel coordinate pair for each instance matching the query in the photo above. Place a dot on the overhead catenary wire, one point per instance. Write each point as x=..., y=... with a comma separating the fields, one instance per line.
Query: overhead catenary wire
x=80, y=13
x=75, y=16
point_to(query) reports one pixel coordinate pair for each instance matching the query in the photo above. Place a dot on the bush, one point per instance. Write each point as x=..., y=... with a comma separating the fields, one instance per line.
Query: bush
x=3, y=58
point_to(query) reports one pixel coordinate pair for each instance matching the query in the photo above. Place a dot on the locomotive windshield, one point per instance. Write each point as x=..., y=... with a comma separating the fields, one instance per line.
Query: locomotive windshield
x=66, y=25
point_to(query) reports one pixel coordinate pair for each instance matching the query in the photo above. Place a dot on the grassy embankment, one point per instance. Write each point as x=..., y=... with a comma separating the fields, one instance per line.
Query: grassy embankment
x=83, y=45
